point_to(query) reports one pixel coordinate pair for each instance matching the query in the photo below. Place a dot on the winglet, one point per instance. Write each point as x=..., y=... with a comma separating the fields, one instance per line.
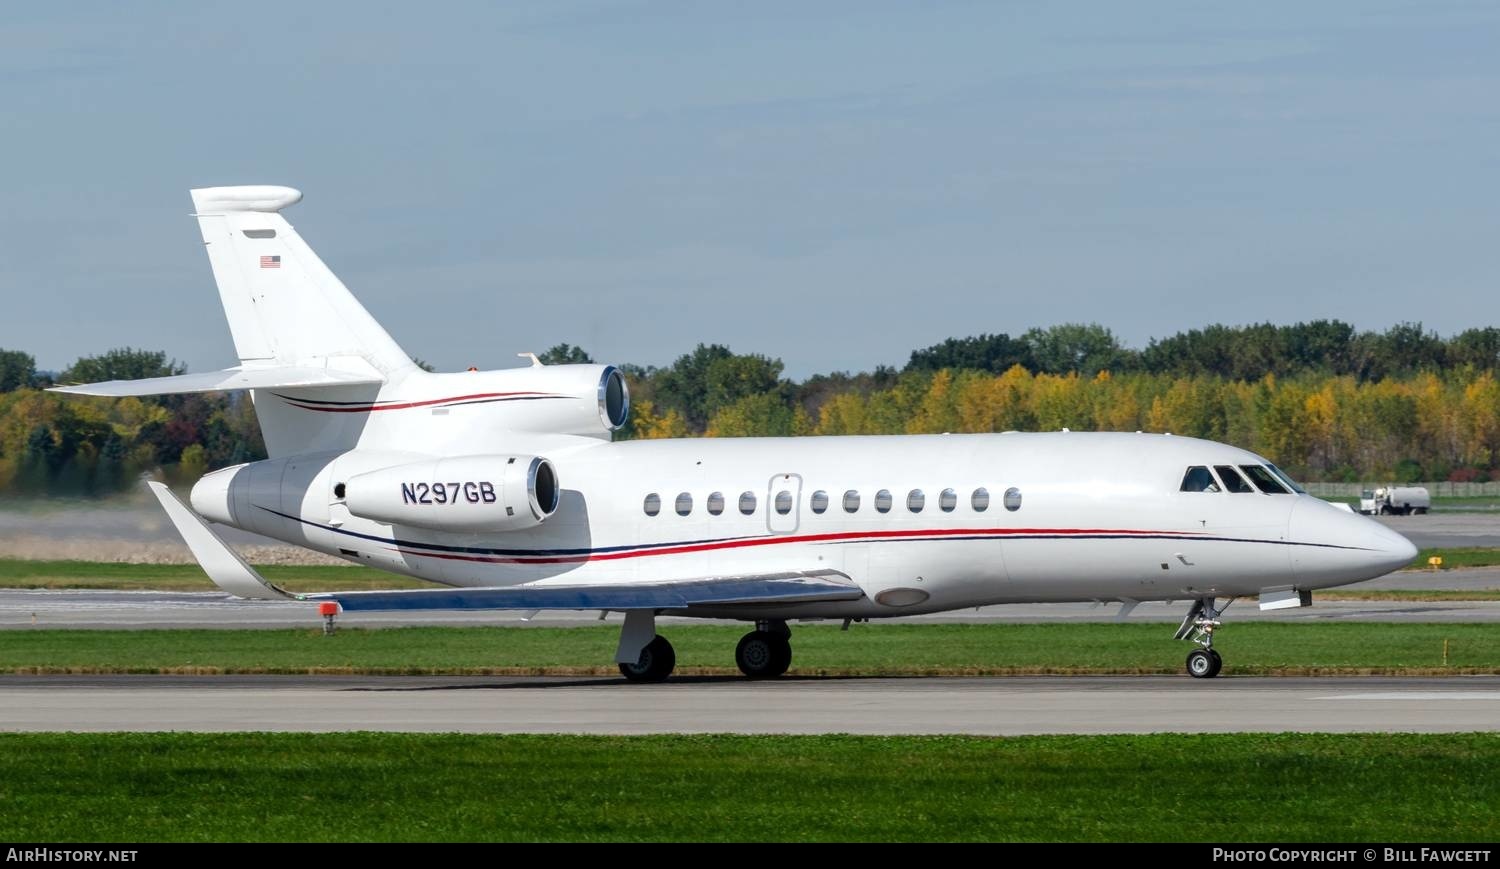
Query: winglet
x=223, y=565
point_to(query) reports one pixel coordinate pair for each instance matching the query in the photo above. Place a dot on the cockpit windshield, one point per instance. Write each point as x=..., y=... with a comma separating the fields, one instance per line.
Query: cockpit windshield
x=1232, y=479
x=1282, y=476
x=1265, y=480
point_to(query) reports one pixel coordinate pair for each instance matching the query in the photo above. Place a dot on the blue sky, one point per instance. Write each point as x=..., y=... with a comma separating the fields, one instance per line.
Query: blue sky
x=831, y=183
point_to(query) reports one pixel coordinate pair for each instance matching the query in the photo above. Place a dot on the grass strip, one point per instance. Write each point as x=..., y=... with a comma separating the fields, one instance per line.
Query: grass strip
x=1415, y=595
x=1463, y=556
x=132, y=787
x=1277, y=648
x=25, y=573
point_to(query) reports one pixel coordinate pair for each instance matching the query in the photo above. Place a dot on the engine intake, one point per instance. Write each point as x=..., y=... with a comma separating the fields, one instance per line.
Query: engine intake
x=614, y=398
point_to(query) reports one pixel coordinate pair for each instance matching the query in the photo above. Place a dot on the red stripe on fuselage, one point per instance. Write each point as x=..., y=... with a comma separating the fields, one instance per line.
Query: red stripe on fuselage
x=368, y=408
x=833, y=537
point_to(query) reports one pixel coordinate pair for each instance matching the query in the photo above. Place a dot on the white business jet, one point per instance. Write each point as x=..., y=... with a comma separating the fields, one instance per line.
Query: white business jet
x=504, y=489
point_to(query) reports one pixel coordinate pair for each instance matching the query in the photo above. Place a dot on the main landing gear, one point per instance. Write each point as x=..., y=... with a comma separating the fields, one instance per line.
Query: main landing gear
x=765, y=652
x=1198, y=627
x=645, y=656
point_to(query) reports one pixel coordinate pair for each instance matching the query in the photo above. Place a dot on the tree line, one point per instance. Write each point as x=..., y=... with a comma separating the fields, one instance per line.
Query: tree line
x=69, y=445
x=1320, y=399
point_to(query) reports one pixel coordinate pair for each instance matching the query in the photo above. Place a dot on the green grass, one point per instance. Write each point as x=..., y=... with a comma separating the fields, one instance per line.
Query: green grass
x=1413, y=595
x=1468, y=504
x=74, y=787
x=879, y=649
x=1468, y=556
x=23, y=573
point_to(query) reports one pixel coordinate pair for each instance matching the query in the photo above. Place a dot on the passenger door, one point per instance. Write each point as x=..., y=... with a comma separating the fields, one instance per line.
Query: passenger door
x=784, y=503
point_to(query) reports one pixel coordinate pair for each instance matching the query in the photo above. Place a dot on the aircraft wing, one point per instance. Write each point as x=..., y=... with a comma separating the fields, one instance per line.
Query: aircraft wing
x=279, y=377
x=768, y=588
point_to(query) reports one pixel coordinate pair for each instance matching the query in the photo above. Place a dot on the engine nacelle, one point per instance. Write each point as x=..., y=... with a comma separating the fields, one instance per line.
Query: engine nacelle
x=588, y=400
x=463, y=493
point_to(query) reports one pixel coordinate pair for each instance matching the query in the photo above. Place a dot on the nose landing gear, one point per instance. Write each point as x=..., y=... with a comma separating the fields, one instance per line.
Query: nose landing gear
x=1198, y=627
x=654, y=664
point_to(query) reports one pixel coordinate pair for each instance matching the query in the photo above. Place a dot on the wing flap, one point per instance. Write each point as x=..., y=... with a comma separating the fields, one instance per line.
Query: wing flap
x=786, y=587
x=277, y=377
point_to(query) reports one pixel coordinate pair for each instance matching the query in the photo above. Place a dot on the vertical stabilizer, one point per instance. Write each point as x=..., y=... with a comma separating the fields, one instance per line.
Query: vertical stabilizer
x=283, y=304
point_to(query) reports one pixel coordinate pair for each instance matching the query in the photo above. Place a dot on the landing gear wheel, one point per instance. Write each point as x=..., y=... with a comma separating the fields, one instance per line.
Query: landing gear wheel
x=763, y=654
x=1204, y=663
x=655, y=663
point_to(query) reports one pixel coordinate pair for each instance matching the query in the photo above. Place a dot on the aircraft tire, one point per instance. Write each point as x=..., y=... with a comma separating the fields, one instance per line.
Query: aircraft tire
x=1203, y=663
x=656, y=663
x=763, y=655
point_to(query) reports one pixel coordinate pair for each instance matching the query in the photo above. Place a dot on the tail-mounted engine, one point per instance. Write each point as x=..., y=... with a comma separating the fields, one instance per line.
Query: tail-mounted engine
x=462, y=494
x=589, y=400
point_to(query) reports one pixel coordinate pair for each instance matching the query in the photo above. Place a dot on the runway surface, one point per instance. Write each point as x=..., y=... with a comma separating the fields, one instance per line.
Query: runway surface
x=22, y=609
x=996, y=706
x=1444, y=529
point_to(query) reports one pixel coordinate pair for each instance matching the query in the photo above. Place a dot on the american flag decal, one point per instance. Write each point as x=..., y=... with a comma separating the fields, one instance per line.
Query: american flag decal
x=270, y=262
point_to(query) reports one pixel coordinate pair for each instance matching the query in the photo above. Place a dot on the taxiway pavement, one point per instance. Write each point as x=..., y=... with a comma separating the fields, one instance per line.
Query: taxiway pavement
x=973, y=705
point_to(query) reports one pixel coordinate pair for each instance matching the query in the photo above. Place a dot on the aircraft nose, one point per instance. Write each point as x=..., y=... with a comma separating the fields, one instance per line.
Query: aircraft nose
x=1333, y=546
x=1395, y=550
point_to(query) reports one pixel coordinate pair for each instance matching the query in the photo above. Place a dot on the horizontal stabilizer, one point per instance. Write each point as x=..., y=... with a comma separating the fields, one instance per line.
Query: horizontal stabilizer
x=223, y=565
x=772, y=588
x=276, y=377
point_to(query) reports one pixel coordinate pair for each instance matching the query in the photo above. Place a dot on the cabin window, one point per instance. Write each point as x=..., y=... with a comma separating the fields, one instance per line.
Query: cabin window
x=915, y=500
x=1264, y=480
x=819, y=501
x=747, y=503
x=883, y=501
x=1012, y=499
x=684, y=504
x=653, y=504
x=715, y=503
x=851, y=501
x=980, y=500
x=1233, y=482
x=947, y=500
x=1199, y=479
x=783, y=502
